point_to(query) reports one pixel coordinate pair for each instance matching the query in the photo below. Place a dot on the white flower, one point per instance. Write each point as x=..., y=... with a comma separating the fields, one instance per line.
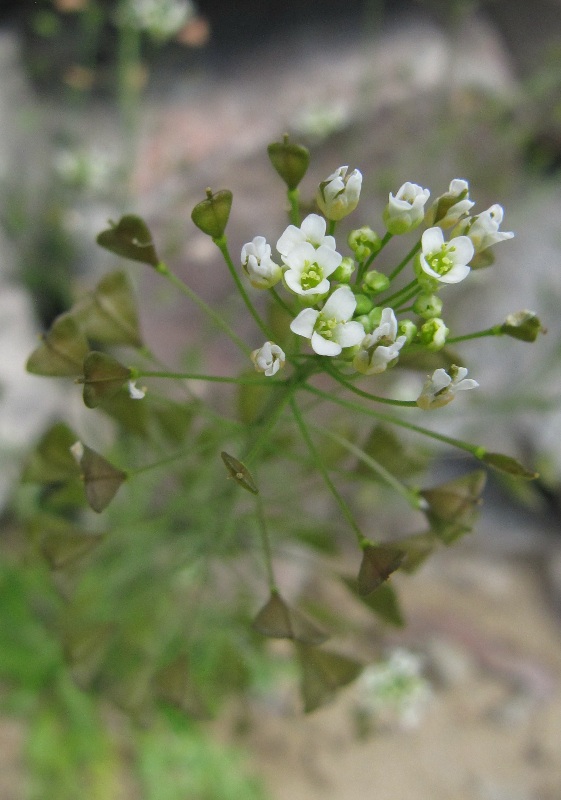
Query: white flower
x=311, y=230
x=441, y=387
x=338, y=194
x=258, y=265
x=484, y=229
x=445, y=261
x=135, y=393
x=380, y=347
x=405, y=211
x=450, y=207
x=309, y=268
x=268, y=359
x=329, y=329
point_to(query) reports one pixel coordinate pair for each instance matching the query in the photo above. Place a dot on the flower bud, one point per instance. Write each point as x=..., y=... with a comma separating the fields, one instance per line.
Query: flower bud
x=375, y=316
x=338, y=195
x=433, y=334
x=451, y=206
x=211, y=215
x=428, y=306
x=408, y=329
x=363, y=304
x=344, y=271
x=523, y=325
x=405, y=211
x=366, y=322
x=364, y=242
x=375, y=282
x=290, y=161
x=268, y=359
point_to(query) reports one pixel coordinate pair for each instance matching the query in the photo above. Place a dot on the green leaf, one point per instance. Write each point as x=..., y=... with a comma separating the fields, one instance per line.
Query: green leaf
x=509, y=465
x=278, y=621
x=108, y=314
x=62, y=351
x=101, y=479
x=378, y=563
x=130, y=238
x=323, y=673
x=240, y=473
x=52, y=461
x=103, y=377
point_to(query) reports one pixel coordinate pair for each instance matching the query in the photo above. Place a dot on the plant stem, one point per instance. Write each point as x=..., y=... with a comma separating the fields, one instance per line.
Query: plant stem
x=280, y=301
x=179, y=284
x=266, y=544
x=496, y=330
x=405, y=261
x=388, y=401
x=475, y=450
x=370, y=259
x=222, y=245
x=140, y=373
x=343, y=505
x=410, y=495
x=294, y=201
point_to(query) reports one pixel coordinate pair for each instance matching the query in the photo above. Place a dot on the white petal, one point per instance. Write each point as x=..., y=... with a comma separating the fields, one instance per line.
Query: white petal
x=289, y=239
x=341, y=305
x=298, y=256
x=325, y=347
x=313, y=228
x=328, y=259
x=456, y=274
x=467, y=383
x=348, y=333
x=432, y=240
x=461, y=249
x=304, y=323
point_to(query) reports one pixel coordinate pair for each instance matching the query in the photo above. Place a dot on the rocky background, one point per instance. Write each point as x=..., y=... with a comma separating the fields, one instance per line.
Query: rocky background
x=404, y=91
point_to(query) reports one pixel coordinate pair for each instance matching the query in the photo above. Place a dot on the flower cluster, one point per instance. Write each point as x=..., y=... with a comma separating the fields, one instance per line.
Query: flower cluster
x=338, y=302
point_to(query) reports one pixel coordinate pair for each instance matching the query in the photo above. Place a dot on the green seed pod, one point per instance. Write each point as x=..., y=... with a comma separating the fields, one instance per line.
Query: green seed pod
x=522, y=325
x=211, y=215
x=290, y=161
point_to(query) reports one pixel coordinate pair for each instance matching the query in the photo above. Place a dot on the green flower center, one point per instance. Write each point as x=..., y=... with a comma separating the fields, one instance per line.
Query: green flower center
x=312, y=275
x=325, y=327
x=440, y=262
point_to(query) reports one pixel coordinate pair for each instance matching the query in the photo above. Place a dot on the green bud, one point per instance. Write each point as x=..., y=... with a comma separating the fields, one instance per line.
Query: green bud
x=363, y=304
x=344, y=271
x=408, y=329
x=428, y=306
x=375, y=282
x=433, y=334
x=290, y=161
x=366, y=322
x=364, y=242
x=375, y=316
x=522, y=325
x=211, y=215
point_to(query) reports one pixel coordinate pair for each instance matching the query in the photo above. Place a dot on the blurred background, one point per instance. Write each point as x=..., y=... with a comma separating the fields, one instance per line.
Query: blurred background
x=138, y=106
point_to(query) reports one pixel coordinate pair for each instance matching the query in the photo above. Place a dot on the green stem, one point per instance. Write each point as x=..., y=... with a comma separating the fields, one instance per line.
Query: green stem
x=410, y=495
x=294, y=202
x=164, y=270
x=222, y=245
x=406, y=260
x=141, y=373
x=281, y=302
x=475, y=450
x=370, y=259
x=343, y=505
x=397, y=298
x=266, y=544
x=388, y=401
x=496, y=330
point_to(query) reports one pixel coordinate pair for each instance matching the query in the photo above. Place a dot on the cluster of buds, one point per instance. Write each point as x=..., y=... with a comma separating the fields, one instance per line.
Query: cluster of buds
x=338, y=302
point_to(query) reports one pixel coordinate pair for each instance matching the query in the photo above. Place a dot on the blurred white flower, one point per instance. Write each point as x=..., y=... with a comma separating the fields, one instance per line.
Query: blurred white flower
x=268, y=359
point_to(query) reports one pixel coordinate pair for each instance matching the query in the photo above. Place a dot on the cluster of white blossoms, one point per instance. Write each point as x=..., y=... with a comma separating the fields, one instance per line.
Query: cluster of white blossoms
x=337, y=312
